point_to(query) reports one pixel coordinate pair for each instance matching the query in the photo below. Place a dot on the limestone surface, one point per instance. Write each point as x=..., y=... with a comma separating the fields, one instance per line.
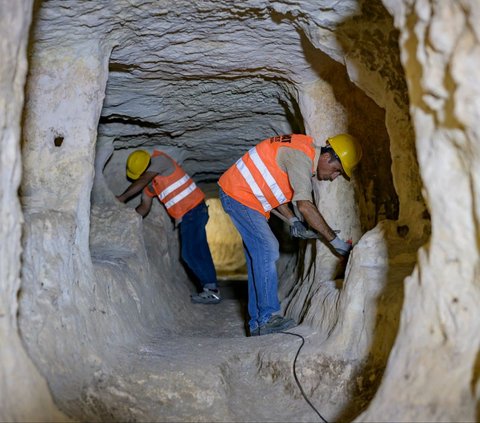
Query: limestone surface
x=24, y=395
x=104, y=310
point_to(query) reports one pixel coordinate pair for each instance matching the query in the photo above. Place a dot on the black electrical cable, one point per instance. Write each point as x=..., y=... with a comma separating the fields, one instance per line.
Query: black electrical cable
x=295, y=374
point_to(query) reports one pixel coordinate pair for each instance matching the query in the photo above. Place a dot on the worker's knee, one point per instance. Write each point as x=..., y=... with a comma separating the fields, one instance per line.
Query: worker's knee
x=271, y=248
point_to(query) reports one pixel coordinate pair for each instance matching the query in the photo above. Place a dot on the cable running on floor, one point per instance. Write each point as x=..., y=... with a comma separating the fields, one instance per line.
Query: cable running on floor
x=295, y=374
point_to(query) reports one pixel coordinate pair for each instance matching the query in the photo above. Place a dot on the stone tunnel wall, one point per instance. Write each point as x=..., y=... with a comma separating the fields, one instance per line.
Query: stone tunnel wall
x=86, y=262
x=80, y=284
x=433, y=369
x=85, y=284
x=68, y=290
x=24, y=395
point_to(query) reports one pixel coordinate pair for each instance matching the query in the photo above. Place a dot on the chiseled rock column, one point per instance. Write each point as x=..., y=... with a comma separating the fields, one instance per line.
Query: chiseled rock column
x=65, y=91
x=433, y=369
x=24, y=395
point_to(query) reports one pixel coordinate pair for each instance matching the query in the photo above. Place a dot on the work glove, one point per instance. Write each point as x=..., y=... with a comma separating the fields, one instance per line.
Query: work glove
x=299, y=230
x=341, y=247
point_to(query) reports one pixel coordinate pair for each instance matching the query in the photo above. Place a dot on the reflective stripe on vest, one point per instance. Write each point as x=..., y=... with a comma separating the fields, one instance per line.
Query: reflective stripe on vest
x=266, y=175
x=177, y=191
x=181, y=195
x=257, y=180
x=173, y=187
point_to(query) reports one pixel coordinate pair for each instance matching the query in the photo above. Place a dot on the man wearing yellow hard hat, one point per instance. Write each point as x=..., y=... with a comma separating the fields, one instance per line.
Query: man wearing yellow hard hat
x=158, y=175
x=275, y=172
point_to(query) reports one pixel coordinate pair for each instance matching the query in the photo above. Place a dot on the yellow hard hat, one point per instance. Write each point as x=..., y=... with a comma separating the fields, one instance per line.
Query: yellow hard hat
x=348, y=150
x=137, y=162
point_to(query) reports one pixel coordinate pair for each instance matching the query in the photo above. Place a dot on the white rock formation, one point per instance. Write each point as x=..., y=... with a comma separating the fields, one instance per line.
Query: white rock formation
x=104, y=311
x=433, y=371
x=24, y=395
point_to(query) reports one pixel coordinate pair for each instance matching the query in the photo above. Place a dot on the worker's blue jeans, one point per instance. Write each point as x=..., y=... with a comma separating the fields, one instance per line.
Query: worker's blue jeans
x=261, y=252
x=195, y=250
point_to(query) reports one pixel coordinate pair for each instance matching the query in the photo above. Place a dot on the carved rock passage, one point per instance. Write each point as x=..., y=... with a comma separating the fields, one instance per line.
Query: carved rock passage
x=104, y=310
x=24, y=393
x=440, y=319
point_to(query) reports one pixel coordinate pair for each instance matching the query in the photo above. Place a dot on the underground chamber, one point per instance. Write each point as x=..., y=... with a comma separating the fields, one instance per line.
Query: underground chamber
x=104, y=305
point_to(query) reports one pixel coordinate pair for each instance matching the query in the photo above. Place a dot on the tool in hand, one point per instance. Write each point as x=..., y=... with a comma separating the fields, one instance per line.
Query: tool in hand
x=285, y=219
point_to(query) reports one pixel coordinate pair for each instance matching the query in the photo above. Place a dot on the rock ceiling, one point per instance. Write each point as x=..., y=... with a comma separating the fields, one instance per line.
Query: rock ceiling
x=208, y=77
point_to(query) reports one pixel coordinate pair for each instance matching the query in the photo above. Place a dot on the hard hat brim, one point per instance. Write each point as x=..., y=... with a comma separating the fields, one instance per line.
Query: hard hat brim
x=133, y=176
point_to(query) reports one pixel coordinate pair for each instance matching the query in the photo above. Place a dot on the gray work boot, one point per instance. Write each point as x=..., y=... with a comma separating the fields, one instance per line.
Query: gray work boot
x=276, y=324
x=207, y=296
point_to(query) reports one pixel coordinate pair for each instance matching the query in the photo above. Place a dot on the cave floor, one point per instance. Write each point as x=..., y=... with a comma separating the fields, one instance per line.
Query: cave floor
x=211, y=372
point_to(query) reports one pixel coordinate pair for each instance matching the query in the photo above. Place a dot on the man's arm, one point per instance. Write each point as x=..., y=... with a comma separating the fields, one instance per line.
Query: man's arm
x=145, y=205
x=297, y=228
x=315, y=219
x=285, y=211
x=136, y=186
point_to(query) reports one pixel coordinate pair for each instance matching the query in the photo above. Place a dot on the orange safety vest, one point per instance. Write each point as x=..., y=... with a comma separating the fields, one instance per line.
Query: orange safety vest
x=256, y=180
x=176, y=191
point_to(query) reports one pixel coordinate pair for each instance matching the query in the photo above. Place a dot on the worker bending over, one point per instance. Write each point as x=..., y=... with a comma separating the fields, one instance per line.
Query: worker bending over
x=277, y=171
x=160, y=176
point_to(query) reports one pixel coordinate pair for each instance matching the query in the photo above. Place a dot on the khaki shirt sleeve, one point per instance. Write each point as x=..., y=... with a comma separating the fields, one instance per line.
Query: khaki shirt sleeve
x=299, y=169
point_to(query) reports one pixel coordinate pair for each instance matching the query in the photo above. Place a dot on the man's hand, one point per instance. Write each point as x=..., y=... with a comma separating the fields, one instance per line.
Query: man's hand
x=341, y=247
x=314, y=219
x=299, y=230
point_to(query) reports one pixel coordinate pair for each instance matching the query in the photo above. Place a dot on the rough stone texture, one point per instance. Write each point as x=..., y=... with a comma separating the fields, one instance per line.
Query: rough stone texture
x=24, y=395
x=202, y=84
x=105, y=312
x=435, y=361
